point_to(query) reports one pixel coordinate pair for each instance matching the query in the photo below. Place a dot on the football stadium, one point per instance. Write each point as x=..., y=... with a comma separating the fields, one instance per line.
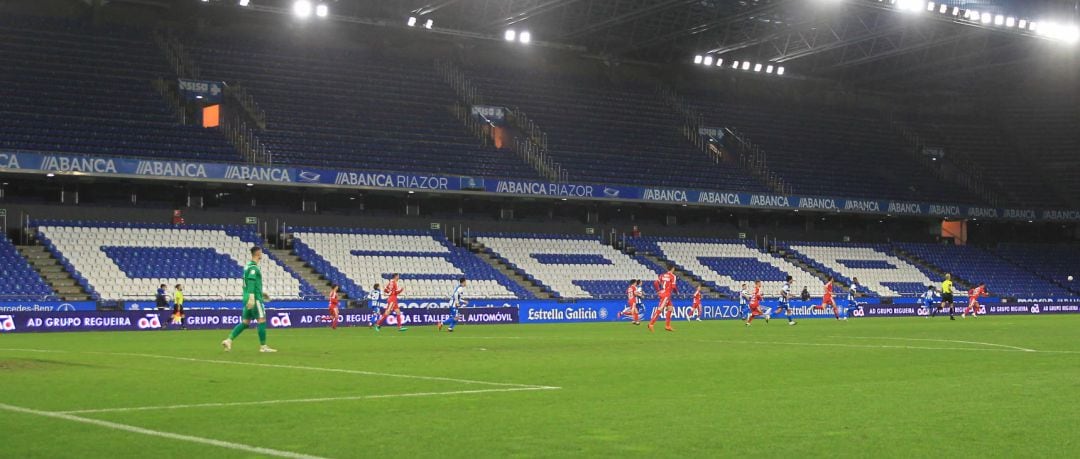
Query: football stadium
x=539, y=228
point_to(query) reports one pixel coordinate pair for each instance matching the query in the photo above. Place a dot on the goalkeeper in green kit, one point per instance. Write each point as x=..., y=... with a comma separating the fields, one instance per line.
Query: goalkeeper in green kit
x=254, y=309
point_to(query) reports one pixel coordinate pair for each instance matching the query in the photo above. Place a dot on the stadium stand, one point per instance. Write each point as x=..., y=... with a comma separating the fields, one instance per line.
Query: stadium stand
x=626, y=128
x=973, y=265
x=348, y=109
x=724, y=265
x=428, y=263
x=74, y=89
x=128, y=261
x=878, y=270
x=18, y=280
x=826, y=153
x=1053, y=262
x=573, y=266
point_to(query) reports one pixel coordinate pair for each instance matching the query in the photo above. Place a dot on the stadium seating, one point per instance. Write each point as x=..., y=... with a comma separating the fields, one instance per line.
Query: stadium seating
x=726, y=264
x=18, y=280
x=349, y=109
x=1053, y=262
x=573, y=267
x=624, y=127
x=973, y=265
x=130, y=261
x=878, y=270
x=826, y=153
x=428, y=263
x=75, y=89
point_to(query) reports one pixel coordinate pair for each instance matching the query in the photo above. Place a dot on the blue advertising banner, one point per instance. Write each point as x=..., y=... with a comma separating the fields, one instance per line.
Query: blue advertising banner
x=237, y=173
x=210, y=91
x=47, y=306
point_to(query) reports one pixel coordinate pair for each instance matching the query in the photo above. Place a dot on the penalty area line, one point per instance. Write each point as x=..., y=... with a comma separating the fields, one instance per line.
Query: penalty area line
x=1006, y=346
x=157, y=433
x=308, y=400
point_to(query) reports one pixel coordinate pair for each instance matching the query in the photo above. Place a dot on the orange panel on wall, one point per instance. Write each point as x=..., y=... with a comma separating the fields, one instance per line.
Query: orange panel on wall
x=956, y=230
x=211, y=116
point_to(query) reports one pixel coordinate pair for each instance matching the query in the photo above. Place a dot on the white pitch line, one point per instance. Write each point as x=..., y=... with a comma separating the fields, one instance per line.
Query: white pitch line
x=156, y=433
x=941, y=341
x=331, y=370
x=879, y=346
x=307, y=400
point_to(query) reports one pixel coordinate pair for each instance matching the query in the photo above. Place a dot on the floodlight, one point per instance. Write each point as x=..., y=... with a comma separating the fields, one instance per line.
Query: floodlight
x=1033, y=26
x=746, y=65
x=525, y=37
x=971, y=14
x=708, y=60
x=322, y=11
x=1010, y=22
x=301, y=8
x=429, y=23
x=698, y=59
x=719, y=61
x=1070, y=34
x=735, y=64
x=768, y=69
x=956, y=11
x=245, y=2
x=412, y=21
x=510, y=35
x=999, y=20
x=944, y=9
x=757, y=67
x=1023, y=24
x=987, y=17
x=780, y=70
x=930, y=6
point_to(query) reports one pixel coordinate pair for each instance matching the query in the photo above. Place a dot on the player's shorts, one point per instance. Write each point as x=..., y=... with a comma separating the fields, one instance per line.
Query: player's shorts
x=946, y=298
x=665, y=301
x=178, y=309
x=928, y=304
x=755, y=310
x=827, y=299
x=454, y=311
x=392, y=306
x=333, y=310
x=256, y=313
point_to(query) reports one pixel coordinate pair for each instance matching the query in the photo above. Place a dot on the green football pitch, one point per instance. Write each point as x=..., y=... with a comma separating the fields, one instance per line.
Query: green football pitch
x=989, y=387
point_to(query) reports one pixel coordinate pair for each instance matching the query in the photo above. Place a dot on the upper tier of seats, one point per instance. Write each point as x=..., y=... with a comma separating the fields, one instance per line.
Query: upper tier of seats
x=130, y=261
x=355, y=110
x=70, y=88
x=18, y=280
x=428, y=263
x=627, y=129
x=971, y=265
x=832, y=154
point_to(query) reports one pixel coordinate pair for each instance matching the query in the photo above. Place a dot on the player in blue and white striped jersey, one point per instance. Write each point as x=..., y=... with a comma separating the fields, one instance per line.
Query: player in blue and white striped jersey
x=852, y=303
x=784, y=303
x=457, y=301
x=375, y=303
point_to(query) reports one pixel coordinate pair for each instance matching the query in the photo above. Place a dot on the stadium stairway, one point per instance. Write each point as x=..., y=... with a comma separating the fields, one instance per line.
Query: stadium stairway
x=682, y=274
x=305, y=271
x=53, y=273
x=791, y=258
x=485, y=254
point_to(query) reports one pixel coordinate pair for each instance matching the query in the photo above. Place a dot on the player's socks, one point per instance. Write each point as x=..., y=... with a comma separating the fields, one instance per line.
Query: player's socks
x=237, y=330
x=635, y=313
x=667, y=319
x=400, y=321
x=262, y=333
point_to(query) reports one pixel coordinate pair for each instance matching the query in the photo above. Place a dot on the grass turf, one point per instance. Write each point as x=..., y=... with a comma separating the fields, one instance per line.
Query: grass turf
x=867, y=388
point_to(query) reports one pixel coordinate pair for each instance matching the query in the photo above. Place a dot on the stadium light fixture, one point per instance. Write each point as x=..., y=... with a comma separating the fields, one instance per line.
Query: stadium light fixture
x=50, y=174
x=944, y=9
x=1010, y=22
x=735, y=64
x=956, y=11
x=971, y=14
x=719, y=61
x=322, y=11
x=1022, y=24
x=412, y=21
x=429, y=23
x=746, y=65
x=250, y=185
x=510, y=35
x=780, y=70
x=301, y=8
x=930, y=6
x=1033, y=26
x=245, y=2
x=707, y=61
x=999, y=20
x=698, y=59
x=757, y=67
x=769, y=69
x=987, y=17
x=525, y=37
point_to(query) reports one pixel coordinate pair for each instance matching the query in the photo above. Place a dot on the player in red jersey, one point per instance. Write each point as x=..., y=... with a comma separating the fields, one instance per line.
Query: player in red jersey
x=828, y=300
x=392, y=291
x=633, y=297
x=755, y=306
x=973, y=300
x=695, y=309
x=334, y=315
x=665, y=287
